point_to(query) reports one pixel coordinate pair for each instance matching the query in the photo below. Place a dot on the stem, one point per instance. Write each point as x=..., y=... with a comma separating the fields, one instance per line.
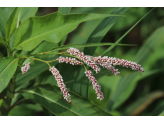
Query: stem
x=17, y=103
x=5, y=108
x=47, y=62
x=8, y=49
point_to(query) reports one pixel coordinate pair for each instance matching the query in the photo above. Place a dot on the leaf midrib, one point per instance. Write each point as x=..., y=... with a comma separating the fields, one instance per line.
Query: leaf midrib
x=78, y=22
x=50, y=100
x=7, y=66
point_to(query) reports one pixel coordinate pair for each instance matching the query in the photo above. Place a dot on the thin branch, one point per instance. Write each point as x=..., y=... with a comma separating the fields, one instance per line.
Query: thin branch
x=17, y=103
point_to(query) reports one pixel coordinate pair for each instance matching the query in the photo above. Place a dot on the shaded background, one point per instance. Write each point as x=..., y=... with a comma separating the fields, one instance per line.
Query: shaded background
x=147, y=96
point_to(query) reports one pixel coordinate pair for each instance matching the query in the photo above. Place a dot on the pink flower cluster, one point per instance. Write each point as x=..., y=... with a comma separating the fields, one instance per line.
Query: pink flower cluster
x=72, y=61
x=25, y=68
x=95, y=84
x=116, y=61
x=84, y=58
x=60, y=83
x=91, y=61
x=103, y=62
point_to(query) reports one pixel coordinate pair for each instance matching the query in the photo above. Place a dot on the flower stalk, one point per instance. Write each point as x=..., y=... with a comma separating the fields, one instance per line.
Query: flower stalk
x=79, y=59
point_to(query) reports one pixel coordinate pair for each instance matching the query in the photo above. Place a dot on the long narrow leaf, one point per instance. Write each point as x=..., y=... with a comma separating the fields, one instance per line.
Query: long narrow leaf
x=2, y=41
x=13, y=22
x=5, y=13
x=95, y=37
x=64, y=10
x=152, y=43
x=111, y=47
x=143, y=102
x=51, y=98
x=101, y=29
x=88, y=45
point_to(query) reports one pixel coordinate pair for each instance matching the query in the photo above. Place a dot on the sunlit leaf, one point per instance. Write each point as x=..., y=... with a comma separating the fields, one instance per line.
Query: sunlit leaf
x=36, y=29
x=27, y=12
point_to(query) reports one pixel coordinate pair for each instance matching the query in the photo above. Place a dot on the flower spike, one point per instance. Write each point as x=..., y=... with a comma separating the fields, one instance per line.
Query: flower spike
x=84, y=58
x=95, y=84
x=60, y=83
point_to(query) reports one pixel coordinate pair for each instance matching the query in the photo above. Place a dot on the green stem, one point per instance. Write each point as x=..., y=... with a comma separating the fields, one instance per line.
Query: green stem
x=47, y=62
x=5, y=108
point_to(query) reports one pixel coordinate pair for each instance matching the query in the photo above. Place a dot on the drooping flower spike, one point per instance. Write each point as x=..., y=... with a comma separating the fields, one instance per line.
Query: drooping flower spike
x=84, y=58
x=116, y=61
x=95, y=84
x=60, y=83
x=25, y=68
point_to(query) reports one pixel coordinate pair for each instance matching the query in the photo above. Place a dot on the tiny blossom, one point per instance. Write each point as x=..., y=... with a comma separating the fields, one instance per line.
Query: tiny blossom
x=84, y=58
x=25, y=68
x=95, y=84
x=126, y=63
x=60, y=83
x=103, y=62
x=72, y=61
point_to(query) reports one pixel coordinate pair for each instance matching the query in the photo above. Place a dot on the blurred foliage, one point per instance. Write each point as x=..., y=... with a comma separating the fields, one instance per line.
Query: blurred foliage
x=130, y=93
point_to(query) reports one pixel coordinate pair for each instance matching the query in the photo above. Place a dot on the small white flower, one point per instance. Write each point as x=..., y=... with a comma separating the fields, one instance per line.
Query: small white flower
x=95, y=84
x=60, y=83
x=25, y=68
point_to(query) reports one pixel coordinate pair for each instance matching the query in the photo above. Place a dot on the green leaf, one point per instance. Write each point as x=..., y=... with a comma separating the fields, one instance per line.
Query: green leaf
x=130, y=88
x=162, y=113
x=2, y=41
x=12, y=23
x=1, y=55
x=35, y=69
x=27, y=12
x=110, y=48
x=42, y=47
x=51, y=98
x=32, y=73
x=64, y=10
x=95, y=37
x=7, y=70
x=36, y=29
x=143, y=102
x=101, y=29
x=128, y=82
x=64, y=47
x=5, y=13
x=25, y=110
x=159, y=109
x=47, y=112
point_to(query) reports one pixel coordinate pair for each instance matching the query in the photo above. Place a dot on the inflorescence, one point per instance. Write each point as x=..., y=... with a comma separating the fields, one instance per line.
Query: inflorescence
x=93, y=62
